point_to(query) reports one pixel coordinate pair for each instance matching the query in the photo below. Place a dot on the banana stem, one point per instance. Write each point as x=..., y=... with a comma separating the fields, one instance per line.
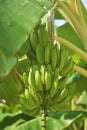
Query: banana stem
x=80, y=70
x=85, y=124
x=51, y=26
x=72, y=47
x=51, y=23
x=43, y=120
x=67, y=13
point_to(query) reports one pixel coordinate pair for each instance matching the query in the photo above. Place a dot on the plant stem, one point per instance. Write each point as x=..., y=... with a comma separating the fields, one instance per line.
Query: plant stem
x=85, y=124
x=72, y=47
x=80, y=70
x=51, y=26
x=67, y=13
x=50, y=17
x=43, y=120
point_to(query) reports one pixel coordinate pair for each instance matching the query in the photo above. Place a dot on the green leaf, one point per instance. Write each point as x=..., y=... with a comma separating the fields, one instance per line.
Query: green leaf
x=10, y=121
x=67, y=32
x=17, y=19
x=10, y=88
x=61, y=120
x=57, y=121
x=24, y=49
x=6, y=64
x=22, y=66
x=77, y=84
x=82, y=99
x=45, y=3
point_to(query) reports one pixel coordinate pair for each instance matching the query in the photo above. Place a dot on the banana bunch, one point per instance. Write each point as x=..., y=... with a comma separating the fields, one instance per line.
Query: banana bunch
x=68, y=67
x=43, y=35
x=46, y=81
x=40, y=78
x=48, y=54
x=58, y=96
x=65, y=64
x=29, y=104
x=60, y=106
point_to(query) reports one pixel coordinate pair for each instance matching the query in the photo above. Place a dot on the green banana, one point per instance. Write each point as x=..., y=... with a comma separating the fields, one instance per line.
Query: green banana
x=43, y=36
x=31, y=79
x=59, y=107
x=68, y=67
x=38, y=81
x=60, y=97
x=26, y=104
x=25, y=78
x=40, y=53
x=63, y=57
x=42, y=71
x=48, y=79
x=33, y=40
x=54, y=87
x=57, y=51
x=47, y=53
x=30, y=98
x=49, y=68
x=61, y=84
x=35, y=95
x=56, y=72
x=35, y=112
x=53, y=57
x=62, y=106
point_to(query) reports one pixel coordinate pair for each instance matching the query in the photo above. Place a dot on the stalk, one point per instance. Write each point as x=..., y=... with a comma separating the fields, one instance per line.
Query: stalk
x=50, y=17
x=72, y=47
x=43, y=119
x=51, y=26
x=85, y=124
x=66, y=12
x=80, y=70
x=80, y=13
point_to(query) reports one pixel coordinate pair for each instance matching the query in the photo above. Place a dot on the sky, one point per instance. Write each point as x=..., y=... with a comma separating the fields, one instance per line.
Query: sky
x=85, y=3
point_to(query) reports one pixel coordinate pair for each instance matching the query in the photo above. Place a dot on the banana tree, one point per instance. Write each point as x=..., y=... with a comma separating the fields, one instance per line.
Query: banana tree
x=43, y=66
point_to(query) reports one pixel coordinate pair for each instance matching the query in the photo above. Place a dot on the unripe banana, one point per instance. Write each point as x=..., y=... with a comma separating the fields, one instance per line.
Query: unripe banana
x=43, y=36
x=31, y=79
x=56, y=72
x=49, y=68
x=30, y=98
x=40, y=53
x=54, y=88
x=57, y=51
x=48, y=79
x=53, y=57
x=60, y=97
x=62, y=106
x=35, y=112
x=63, y=57
x=26, y=104
x=68, y=67
x=35, y=95
x=33, y=40
x=34, y=68
x=47, y=53
x=38, y=81
x=42, y=71
x=61, y=84
x=25, y=78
